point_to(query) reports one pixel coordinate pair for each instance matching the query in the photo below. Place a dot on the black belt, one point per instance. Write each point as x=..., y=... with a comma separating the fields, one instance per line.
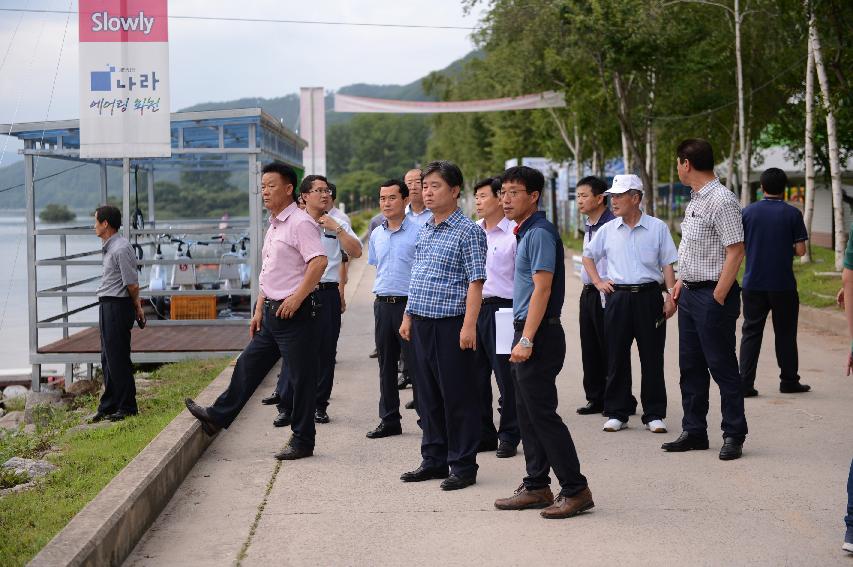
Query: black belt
x=391, y=298
x=496, y=301
x=327, y=285
x=273, y=304
x=699, y=285
x=518, y=324
x=114, y=299
x=589, y=287
x=636, y=288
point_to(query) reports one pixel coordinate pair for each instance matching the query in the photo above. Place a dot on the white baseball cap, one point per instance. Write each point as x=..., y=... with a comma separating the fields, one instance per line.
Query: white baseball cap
x=625, y=183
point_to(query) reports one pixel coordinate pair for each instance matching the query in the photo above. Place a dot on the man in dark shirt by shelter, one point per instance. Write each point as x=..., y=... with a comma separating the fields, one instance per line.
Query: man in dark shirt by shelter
x=774, y=232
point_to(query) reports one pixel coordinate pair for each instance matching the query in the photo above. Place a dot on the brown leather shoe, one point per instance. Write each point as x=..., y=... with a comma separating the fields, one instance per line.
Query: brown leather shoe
x=524, y=499
x=566, y=507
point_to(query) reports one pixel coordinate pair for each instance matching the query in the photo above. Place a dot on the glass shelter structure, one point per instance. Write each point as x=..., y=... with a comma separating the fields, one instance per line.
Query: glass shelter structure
x=233, y=143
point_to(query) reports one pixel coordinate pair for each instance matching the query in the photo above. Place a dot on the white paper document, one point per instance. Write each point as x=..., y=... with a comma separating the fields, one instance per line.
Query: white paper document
x=504, y=330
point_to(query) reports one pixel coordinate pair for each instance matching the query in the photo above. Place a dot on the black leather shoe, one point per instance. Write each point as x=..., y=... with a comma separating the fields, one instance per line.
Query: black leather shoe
x=487, y=446
x=686, y=442
x=120, y=415
x=374, y=354
x=795, y=388
x=732, y=449
x=505, y=450
x=96, y=417
x=750, y=393
x=410, y=404
x=283, y=419
x=385, y=430
x=455, y=482
x=291, y=453
x=403, y=381
x=207, y=424
x=423, y=473
x=271, y=400
x=320, y=416
x=590, y=408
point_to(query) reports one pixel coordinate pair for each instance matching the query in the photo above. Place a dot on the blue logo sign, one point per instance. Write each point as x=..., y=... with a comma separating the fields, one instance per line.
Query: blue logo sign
x=102, y=80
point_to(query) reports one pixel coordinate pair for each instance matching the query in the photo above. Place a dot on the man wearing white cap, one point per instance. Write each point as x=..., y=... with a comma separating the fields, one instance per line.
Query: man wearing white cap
x=640, y=254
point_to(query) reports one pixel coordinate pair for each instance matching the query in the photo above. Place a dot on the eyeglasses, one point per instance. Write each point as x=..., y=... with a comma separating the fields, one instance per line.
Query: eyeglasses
x=321, y=190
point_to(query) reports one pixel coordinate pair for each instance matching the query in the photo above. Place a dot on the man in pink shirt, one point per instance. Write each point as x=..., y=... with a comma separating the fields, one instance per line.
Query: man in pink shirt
x=497, y=294
x=283, y=325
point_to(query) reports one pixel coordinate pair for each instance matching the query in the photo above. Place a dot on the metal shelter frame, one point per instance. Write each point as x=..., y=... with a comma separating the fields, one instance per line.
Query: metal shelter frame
x=219, y=140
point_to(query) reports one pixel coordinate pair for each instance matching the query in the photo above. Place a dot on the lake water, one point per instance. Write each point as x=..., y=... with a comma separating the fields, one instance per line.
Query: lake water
x=14, y=342
x=14, y=346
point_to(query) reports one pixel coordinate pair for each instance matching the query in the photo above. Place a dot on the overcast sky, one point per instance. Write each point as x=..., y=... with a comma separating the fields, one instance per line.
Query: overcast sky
x=213, y=61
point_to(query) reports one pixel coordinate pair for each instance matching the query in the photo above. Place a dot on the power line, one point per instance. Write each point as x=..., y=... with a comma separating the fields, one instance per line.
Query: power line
x=272, y=20
x=45, y=177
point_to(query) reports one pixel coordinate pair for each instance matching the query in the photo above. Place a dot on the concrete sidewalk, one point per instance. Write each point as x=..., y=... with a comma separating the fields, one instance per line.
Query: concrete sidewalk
x=781, y=504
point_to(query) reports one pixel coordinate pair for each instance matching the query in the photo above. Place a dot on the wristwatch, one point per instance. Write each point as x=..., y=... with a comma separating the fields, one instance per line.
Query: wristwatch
x=525, y=342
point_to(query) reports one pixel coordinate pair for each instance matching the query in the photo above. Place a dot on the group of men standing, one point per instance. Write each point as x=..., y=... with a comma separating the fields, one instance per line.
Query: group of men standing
x=630, y=290
x=441, y=279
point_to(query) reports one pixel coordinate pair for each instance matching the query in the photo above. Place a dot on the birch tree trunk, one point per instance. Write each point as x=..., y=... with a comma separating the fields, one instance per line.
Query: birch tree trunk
x=595, y=168
x=730, y=163
x=808, y=205
x=626, y=154
x=832, y=138
x=745, y=196
x=670, y=199
x=629, y=138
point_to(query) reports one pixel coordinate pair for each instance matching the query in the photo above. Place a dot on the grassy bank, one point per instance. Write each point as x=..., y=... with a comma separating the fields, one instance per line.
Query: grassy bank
x=815, y=291
x=87, y=460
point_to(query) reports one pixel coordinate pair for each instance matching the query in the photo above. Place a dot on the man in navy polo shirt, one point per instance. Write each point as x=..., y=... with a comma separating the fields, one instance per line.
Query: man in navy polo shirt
x=774, y=233
x=539, y=349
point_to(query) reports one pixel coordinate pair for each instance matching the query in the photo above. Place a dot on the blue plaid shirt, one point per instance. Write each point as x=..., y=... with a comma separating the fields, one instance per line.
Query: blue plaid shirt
x=448, y=257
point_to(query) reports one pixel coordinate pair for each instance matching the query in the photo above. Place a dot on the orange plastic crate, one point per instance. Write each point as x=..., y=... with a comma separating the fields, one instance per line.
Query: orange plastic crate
x=193, y=307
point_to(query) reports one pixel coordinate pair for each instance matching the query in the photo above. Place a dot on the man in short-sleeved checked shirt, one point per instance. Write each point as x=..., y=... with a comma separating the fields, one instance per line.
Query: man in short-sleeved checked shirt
x=445, y=294
x=708, y=297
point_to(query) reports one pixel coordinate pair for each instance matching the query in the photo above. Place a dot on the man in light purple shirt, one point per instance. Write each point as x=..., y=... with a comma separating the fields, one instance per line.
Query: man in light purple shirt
x=283, y=325
x=497, y=294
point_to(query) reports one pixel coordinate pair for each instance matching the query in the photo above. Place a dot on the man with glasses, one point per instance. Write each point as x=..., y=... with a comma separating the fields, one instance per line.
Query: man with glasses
x=336, y=238
x=640, y=253
x=537, y=355
x=283, y=324
x=445, y=293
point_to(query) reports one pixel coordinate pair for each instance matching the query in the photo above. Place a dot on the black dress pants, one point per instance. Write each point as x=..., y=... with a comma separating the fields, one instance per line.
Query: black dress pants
x=630, y=316
x=115, y=320
x=487, y=361
x=294, y=340
x=785, y=306
x=448, y=395
x=593, y=344
x=390, y=346
x=328, y=325
x=706, y=333
x=545, y=438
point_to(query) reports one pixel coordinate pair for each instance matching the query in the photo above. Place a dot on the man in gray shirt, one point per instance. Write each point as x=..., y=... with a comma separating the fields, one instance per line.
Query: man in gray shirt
x=118, y=306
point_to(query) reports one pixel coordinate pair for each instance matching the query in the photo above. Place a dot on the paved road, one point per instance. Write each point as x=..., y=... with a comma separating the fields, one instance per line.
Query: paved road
x=782, y=504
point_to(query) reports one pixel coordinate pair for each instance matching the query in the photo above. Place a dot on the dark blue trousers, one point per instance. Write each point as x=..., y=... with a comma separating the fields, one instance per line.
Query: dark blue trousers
x=328, y=324
x=115, y=320
x=706, y=333
x=390, y=347
x=487, y=361
x=448, y=396
x=545, y=438
x=293, y=340
x=848, y=519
